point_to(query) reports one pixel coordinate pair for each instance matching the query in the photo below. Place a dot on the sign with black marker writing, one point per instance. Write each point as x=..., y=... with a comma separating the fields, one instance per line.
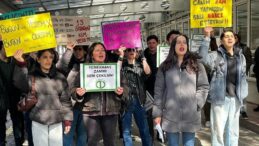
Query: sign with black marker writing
x=30, y=33
x=96, y=77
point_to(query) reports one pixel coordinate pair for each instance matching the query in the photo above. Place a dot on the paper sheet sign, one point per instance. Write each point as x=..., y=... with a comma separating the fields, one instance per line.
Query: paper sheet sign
x=99, y=77
x=214, y=13
x=71, y=29
x=127, y=34
x=162, y=53
x=30, y=33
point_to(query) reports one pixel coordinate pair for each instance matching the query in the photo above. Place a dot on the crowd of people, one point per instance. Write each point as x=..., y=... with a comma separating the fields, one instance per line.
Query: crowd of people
x=213, y=79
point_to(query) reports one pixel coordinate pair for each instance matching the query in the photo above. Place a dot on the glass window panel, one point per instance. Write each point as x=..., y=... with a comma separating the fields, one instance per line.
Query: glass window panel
x=74, y=4
x=100, y=2
x=242, y=22
x=186, y=28
x=119, y=1
x=179, y=26
x=254, y=24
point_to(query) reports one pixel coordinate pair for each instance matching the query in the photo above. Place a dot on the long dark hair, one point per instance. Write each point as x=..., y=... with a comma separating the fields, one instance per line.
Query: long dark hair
x=74, y=60
x=53, y=69
x=190, y=59
x=91, y=50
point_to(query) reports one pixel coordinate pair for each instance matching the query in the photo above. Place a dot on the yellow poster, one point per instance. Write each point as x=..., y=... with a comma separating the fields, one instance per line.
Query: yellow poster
x=30, y=33
x=215, y=13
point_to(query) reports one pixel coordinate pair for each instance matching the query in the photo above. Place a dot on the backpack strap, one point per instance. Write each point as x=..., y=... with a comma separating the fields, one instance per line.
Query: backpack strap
x=33, y=92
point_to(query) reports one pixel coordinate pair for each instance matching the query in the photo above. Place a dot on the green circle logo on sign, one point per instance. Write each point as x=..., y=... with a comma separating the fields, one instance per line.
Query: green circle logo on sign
x=100, y=84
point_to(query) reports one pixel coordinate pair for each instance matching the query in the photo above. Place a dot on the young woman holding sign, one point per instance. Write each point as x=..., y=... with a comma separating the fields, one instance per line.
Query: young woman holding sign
x=100, y=109
x=54, y=104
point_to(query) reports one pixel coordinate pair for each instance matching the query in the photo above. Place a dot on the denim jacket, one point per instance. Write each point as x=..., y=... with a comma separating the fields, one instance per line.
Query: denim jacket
x=217, y=62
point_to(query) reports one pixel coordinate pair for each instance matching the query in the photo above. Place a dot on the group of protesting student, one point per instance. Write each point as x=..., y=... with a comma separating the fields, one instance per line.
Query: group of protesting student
x=68, y=114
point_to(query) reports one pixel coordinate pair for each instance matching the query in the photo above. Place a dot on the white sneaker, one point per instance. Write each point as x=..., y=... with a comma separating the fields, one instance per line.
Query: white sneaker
x=207, y=124
x=25, y=143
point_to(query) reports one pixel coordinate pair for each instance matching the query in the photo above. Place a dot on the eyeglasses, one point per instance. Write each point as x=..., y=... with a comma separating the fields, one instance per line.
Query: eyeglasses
x=130, y=50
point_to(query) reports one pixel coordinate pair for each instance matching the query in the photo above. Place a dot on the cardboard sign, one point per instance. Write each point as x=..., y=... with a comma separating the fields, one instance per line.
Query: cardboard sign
x=214, y=13
x=71, y=29
x=30, y=33
x=19, y=13
x=117, y=34
x=195, y=45
x=162, y=53
x=96, y=77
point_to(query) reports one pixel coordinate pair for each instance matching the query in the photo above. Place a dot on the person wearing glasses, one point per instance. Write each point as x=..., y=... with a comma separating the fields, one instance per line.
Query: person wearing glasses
x=228, y=87
x=69, y=65
x=135, y=73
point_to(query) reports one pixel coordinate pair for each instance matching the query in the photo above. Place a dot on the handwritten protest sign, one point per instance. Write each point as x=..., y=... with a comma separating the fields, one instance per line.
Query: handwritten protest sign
x=30, y=33
x=71, y=29
x=117, y=34
x=99, y=77
x=215, y=13
x=19, y=13
x=162, y=53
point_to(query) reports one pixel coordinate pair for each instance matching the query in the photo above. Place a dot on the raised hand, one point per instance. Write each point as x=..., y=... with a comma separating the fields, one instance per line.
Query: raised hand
x=80, y=91
x=18, y=55
x=121, y=51
x=67, y=129
x=208, y=31
x=119, y=91
x=71, y=45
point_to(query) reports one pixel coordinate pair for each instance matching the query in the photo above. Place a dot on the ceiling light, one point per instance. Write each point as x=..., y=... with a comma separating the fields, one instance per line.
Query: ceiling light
x=126, y=18
x=56, y=13
x=79, y=11
x=101, y=9
x=165, y=4
x=123, y=7
x=41, y=9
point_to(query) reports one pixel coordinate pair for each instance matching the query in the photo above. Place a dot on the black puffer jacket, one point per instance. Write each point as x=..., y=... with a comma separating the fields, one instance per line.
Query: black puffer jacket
x=9, y=95
x=136, y=71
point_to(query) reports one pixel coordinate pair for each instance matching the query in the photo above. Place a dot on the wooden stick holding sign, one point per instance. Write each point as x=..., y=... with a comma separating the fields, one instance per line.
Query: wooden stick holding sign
x=99, y=77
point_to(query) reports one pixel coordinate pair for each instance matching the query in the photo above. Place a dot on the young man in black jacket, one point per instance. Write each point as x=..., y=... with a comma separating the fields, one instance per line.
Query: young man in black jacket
x=9, y=97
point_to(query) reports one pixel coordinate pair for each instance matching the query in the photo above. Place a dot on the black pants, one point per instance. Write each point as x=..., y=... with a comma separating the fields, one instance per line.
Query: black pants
x=101, y=125
x=150, y=123
x=257, y=82
x=18, y=125
x=207, y=111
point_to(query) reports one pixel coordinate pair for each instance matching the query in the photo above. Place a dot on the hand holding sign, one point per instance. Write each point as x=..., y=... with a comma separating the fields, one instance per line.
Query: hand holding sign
x=121, y=51
x=71, y=45
x=18, y=56
x=119, y=91
x=80, y=91
x=207, y=31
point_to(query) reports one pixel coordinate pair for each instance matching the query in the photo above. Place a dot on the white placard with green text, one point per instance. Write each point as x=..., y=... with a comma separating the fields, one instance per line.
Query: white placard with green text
x=96, y=77
x=162, y=53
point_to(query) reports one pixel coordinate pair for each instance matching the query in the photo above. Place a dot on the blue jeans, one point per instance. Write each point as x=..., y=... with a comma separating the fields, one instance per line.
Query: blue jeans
x=225, y=118
x=141, y=120
x=188, y=138
x=77, y=128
